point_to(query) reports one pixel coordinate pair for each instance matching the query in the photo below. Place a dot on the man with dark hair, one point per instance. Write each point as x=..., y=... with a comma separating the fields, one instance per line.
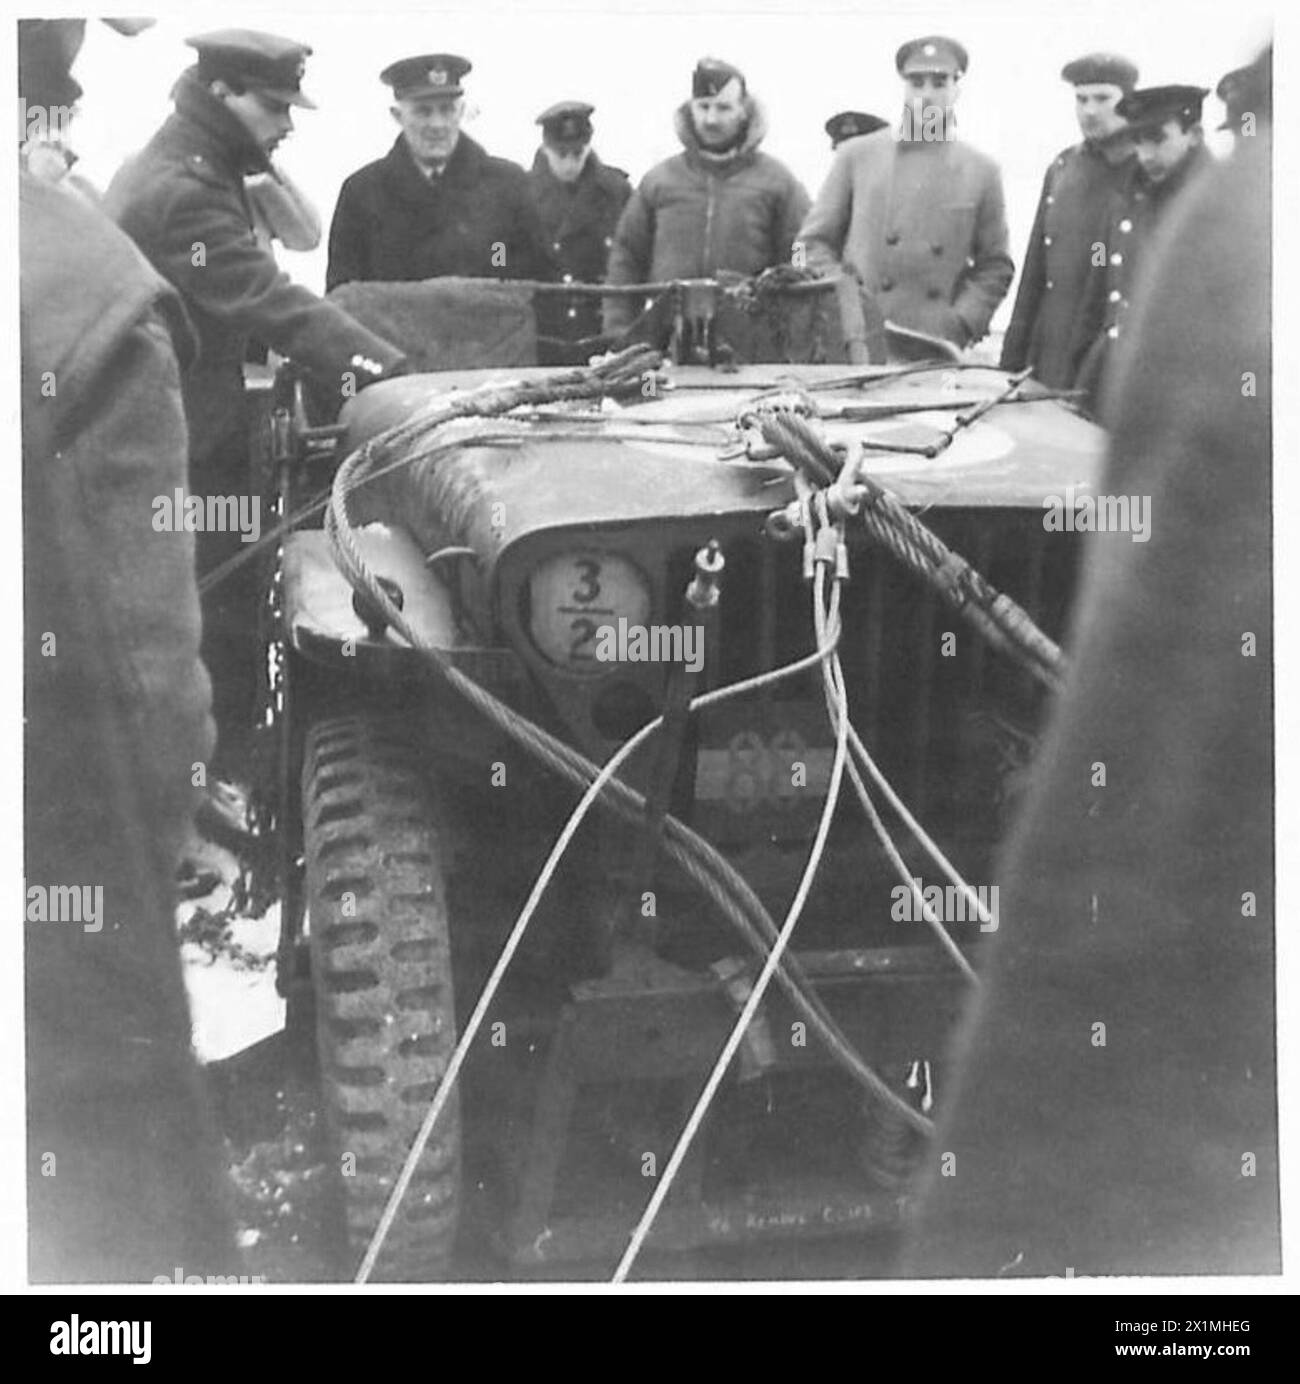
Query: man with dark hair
x=126, y=1178
x=437, y=203
x=579, y=200
x=1164, y=124
x=916, y=214
x=720, y=205
x=1060, y=303
x=182, y=199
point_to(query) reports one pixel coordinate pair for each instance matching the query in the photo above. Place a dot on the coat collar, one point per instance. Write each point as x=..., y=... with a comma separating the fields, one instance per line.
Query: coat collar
x=221, y=137
x=404, y=175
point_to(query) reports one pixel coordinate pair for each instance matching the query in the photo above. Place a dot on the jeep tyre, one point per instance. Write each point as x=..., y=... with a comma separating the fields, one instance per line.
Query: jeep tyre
x=381, y=972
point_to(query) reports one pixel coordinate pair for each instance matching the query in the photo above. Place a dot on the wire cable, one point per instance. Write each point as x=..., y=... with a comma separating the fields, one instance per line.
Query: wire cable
x=696, y=1119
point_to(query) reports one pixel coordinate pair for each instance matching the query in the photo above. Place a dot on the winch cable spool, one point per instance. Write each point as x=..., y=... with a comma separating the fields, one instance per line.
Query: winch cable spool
x=695, y=856
x=840, y=721
x=784, y=422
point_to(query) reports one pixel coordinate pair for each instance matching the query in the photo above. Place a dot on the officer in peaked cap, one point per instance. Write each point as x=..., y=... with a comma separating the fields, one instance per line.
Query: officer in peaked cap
x=437, y=203
x=1153, y=107
x=1164, y=124
x=917, y=214
x=934, y=53
x=849, y=124
x=1060, y=303
x=433, y=74
x=183, y=200
x=263, y=63
x=579, y=199
x=567, y=124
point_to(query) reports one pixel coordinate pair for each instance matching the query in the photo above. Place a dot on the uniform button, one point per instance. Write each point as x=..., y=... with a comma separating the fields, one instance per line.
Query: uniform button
x=1126, y=225
x=1051, y=201
x=1050, y=284
x=934, y=293
x=609, y=241
x=892, y=238
x=1117, y=258
x=1112, y=332
x=1114, y=295
x=1047, y=240
x=886, y=285
x=568, y=278
x=556, y=247
x=573, y=312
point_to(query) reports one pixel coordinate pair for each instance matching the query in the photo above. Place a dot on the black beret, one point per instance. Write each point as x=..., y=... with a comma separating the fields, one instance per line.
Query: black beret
x=1151, y=107
x=847, y=124
x=431, y=74
x=933, y=53
x=248, y=58
x=712, y=74
x=1095, y=68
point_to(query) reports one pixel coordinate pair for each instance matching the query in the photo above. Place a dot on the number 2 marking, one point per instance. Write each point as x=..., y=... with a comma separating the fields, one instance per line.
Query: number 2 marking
x=584, y=632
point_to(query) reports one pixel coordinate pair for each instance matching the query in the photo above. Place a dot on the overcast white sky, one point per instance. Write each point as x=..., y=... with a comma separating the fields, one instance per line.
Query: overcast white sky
x=633, y=62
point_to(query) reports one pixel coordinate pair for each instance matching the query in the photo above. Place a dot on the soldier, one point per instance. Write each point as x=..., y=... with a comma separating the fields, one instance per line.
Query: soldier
x=1165, y=125
x=437, y=203
x=126, y=1175
x=850, y=124
x=579, y=200
x=719, y=205
x=916, y=214
x=1061, y=300
x=183, y=200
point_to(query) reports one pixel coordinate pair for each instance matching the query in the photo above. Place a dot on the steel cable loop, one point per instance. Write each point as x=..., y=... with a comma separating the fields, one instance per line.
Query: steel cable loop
x=999, y=618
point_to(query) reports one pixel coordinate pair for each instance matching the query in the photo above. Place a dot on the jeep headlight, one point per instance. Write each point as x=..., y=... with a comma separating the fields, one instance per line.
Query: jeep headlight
x=573, y=596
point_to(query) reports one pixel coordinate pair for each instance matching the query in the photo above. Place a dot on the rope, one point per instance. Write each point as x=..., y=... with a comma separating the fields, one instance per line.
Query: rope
x=516, y=935
x=696, y=1119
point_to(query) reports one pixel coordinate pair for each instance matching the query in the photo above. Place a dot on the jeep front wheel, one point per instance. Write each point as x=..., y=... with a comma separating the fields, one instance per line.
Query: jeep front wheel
x=381, y=972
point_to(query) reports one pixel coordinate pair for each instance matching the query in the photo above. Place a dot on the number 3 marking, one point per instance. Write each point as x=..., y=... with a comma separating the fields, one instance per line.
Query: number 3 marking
x=589, y=587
